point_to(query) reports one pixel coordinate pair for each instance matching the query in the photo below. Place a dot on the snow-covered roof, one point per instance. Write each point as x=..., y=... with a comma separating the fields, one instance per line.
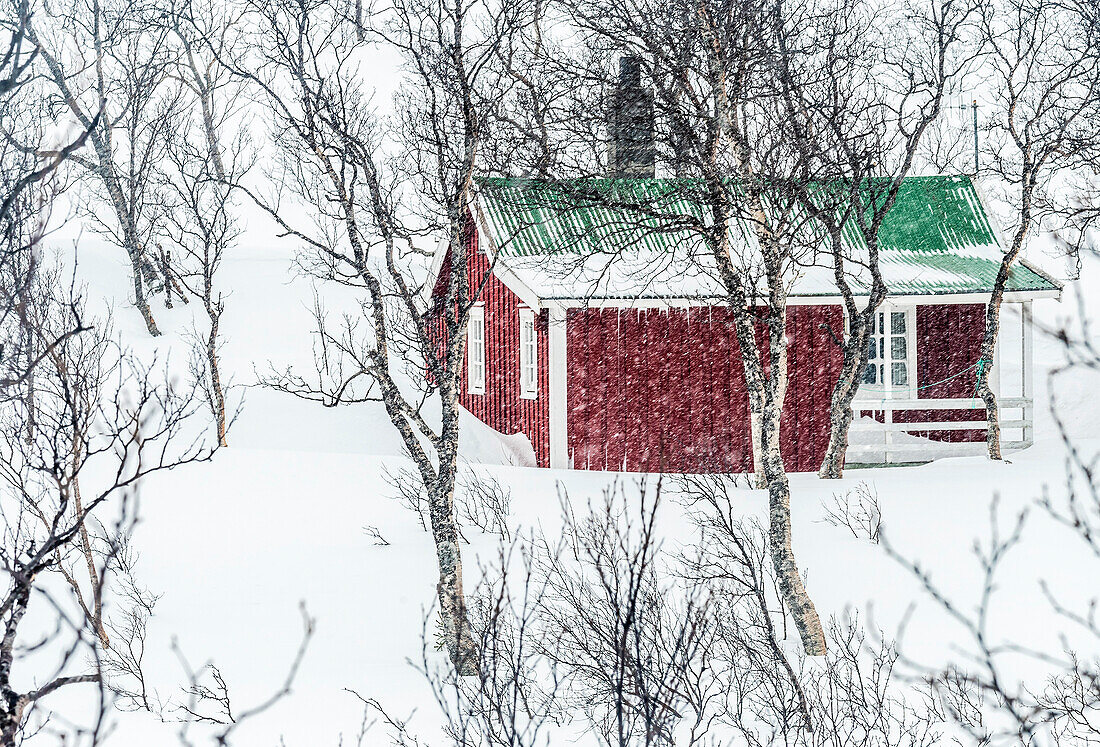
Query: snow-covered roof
x=640, y=239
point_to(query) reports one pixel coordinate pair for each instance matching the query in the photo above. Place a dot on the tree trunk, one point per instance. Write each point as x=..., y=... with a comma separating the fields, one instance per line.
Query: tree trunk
x=993, y=313
x=215, y=376
x=13, y=704
x=759, y=480
x=993, y=328
x=96, y=615
x=143, y=305
x=802, y=608
x=457, y=635
x=985, y=362
x=840, y=419
x=772, y=391
x=840, y=406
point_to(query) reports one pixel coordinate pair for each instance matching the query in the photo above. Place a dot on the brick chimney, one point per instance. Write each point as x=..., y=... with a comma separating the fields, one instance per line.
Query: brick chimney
x=630, y=124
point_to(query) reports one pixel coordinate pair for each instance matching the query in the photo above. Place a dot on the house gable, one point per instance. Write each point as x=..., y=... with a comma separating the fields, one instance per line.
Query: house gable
x=502, y=403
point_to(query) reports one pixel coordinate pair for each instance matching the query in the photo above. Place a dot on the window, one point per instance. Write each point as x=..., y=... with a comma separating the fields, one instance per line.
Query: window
x=890, y=354
x=475, y=351
x=528, y=355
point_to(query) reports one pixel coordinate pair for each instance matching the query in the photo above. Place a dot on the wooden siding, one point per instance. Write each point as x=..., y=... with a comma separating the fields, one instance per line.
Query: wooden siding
x=949, y=340
x=501, y=407
x=664, y=390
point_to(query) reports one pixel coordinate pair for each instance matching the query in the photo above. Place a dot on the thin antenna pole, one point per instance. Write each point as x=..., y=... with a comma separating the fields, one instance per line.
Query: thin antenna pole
x=975, y=111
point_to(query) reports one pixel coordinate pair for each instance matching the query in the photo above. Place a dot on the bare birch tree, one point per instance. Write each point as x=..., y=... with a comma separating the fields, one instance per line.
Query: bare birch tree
x=31, y=179
x=367, y=210
x=101, y=423
x=712, y=70
x=1045, y=63
x=206, y=161
x=857, y=109
x=778, y=146
x=29, y=159
x=110, y=61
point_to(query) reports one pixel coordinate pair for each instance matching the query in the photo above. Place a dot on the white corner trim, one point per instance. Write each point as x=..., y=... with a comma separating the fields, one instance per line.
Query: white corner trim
x=441, y=248
x=559, y=427
x=513, y=283
x=1038, y=270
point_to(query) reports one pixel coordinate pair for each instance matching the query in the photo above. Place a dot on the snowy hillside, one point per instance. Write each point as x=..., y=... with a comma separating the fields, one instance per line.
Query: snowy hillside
x=281, y=517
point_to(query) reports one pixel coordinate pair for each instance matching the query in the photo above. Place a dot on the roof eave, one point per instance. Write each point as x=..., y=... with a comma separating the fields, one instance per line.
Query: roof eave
x=923, y=299
x=1043, y=274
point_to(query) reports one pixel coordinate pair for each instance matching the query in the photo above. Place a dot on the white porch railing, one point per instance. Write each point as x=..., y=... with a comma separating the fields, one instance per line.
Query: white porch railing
x=890, y=441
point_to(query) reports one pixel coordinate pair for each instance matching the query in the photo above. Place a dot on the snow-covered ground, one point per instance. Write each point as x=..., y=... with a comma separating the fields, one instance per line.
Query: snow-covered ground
x=277, y=518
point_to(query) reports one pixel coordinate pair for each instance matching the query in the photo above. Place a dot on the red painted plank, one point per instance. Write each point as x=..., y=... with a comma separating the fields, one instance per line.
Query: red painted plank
x=577, y=383
x=616, y=441
x=634, y=375
x=705, y=380
x=543, y=422
x=647, y=422
x=738, y=399
x=802, y=407
x=788, y=422
x=663, y=363
x=579, y=398
x=680, y=446
x=598, y=370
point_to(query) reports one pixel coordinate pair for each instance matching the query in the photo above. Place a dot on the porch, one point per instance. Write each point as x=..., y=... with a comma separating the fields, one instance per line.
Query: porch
x=895, y=424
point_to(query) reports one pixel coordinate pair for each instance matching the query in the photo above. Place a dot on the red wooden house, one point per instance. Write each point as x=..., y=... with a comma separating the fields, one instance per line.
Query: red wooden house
x=603, y=336
x=612, y=350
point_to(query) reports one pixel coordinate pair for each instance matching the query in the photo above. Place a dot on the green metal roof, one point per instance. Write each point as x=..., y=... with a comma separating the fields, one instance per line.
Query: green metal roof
x=592, y=238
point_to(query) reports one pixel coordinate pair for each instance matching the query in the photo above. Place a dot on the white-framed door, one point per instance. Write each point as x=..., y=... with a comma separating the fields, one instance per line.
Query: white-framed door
x=891, y=371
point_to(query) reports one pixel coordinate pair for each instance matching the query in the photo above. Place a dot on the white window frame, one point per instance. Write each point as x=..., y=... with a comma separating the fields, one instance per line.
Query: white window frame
x=528, y=354
x=881, y=388
x=475, y=351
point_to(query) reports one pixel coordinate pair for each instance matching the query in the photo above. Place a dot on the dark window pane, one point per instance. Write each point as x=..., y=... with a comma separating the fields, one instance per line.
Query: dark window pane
x=897, y=348
x=897, y=323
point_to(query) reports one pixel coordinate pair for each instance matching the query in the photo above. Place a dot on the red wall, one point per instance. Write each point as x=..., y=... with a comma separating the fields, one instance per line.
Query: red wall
x=501, y=407
x=664, y=390
x=949, y=339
